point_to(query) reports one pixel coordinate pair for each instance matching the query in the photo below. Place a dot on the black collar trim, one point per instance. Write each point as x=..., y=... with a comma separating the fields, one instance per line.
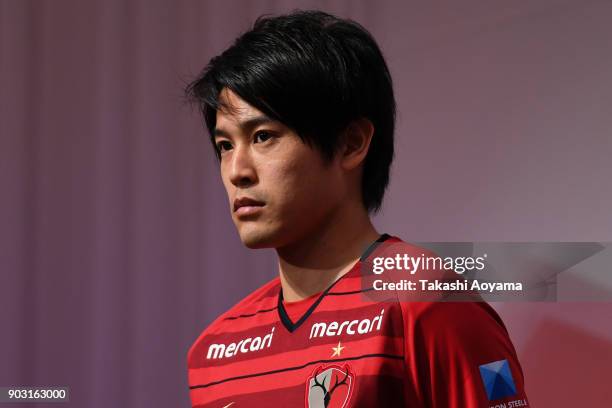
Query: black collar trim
x=284, y=317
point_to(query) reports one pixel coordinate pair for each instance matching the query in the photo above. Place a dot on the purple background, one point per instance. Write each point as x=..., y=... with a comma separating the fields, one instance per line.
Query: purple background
x=116, y=245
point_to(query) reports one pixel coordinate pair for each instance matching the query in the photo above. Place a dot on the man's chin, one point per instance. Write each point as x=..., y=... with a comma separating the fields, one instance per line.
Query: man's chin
x=257, y=239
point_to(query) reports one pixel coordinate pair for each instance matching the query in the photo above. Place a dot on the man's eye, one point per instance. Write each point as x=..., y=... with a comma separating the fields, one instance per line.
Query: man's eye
x=223, y=146
x=262, y=135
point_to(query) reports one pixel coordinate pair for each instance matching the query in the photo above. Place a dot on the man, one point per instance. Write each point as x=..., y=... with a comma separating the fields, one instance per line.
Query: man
x=301, y=112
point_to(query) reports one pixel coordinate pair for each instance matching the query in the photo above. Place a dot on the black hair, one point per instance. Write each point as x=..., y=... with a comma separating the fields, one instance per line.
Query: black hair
x=315, y=73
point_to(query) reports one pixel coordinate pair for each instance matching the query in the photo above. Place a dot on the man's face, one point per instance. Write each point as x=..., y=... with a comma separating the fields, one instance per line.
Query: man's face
x=280, y=190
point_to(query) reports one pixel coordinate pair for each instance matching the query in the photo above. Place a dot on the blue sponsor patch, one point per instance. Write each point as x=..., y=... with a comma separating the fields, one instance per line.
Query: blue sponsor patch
x=497, y=379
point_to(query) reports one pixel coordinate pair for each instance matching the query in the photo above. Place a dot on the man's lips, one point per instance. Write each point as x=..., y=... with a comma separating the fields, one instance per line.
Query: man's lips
x=247, y=205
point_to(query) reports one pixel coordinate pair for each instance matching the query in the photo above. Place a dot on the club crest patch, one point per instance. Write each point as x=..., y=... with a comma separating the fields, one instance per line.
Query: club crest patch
x=330, y=387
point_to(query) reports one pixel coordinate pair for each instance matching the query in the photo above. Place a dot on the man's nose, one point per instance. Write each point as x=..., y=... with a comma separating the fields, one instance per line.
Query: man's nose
x=242, y=171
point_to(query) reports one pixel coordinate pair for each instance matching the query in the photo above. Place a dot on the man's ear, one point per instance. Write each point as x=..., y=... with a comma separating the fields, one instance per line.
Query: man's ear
x=356, y=142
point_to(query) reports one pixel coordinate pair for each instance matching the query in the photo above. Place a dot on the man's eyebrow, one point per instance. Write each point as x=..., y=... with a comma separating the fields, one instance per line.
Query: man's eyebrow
x=246, y=125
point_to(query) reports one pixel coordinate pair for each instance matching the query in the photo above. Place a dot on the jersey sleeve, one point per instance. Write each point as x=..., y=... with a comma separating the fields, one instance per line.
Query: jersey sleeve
x=459, y=355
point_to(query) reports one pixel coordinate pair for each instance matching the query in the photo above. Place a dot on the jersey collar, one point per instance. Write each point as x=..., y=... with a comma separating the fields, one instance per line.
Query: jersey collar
x=282, y=313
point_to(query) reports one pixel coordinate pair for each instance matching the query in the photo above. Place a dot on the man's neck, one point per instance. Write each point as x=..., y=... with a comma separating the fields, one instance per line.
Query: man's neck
x=313, y=264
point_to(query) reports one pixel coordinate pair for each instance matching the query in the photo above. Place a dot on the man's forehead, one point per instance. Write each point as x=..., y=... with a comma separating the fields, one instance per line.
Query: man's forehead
x=234, y=109
x=235, y=114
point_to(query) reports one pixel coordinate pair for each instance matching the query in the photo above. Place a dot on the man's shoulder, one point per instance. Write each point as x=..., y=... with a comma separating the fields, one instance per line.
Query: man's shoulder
x=260, y=301
x=395, y=245
x=446, y=315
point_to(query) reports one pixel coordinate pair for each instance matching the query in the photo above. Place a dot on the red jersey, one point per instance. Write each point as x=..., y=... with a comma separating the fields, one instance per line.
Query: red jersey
x=340, y=349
